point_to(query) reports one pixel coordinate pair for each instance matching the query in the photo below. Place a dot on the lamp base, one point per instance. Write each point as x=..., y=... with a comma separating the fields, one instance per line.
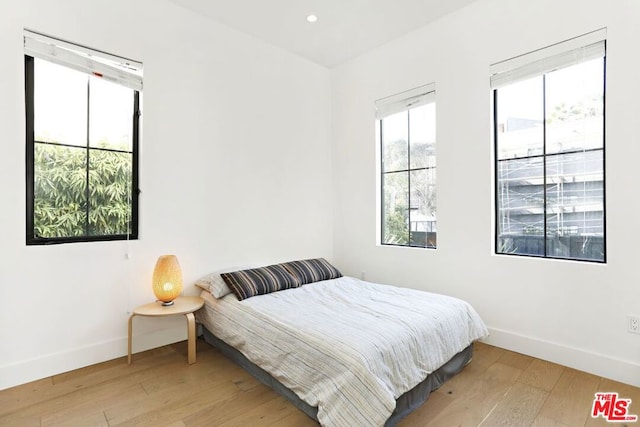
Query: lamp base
x=168, y=303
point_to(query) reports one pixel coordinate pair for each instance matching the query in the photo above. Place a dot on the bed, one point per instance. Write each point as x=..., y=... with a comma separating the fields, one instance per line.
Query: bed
x=344, y=351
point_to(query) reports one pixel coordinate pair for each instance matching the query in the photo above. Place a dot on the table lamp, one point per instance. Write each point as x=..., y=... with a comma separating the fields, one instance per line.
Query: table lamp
x=167, y=279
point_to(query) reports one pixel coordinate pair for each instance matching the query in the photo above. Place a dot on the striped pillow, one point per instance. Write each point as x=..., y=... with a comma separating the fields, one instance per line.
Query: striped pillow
x=258, y=281
x=312, y=270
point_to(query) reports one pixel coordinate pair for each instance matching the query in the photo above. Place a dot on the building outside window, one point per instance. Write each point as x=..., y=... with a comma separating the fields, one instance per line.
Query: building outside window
x=549, y=134
x=407, y=129
x=82, y=116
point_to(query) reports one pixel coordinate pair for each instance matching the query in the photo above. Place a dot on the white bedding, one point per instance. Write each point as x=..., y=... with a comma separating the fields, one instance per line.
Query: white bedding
x=348, y=347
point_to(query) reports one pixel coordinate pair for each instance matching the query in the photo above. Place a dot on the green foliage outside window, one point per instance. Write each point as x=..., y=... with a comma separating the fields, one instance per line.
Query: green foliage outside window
x=64, y=208
x=396, y=226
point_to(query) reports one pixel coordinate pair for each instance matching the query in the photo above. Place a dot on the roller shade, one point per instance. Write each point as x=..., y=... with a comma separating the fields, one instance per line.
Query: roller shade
x=116, y=69
x=403, y=101
x=542, y=61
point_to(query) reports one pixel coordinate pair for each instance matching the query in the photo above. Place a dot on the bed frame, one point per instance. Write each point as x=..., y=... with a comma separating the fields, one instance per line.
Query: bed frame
x=405, y=404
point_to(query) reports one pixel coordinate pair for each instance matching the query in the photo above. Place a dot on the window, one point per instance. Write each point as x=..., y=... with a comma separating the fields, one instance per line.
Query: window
x=407, y=126
x=550, y=151
x=82, y=125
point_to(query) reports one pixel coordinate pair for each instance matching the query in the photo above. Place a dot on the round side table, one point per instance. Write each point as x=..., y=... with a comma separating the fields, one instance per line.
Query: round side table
x=181, y=305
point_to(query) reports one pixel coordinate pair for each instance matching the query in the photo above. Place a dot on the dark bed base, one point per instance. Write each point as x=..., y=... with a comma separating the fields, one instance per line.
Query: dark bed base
x=405, y=404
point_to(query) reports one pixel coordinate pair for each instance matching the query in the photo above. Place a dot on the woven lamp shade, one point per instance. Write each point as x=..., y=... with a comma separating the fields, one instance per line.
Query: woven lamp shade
x=167, y=279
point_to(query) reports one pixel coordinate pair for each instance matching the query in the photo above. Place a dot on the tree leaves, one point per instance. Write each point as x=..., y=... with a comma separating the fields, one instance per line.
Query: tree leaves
x=62, y=205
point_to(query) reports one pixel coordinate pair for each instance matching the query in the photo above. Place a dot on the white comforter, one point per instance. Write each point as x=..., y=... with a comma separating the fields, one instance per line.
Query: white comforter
x=349, y=347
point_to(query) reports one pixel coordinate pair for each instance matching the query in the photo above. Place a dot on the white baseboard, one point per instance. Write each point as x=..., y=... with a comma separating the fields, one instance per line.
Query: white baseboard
x=598, y=364
x=25, y=371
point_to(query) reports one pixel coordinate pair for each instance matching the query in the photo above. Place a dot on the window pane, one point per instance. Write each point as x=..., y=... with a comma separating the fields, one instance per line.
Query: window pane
x=550, y=164
x=520, y=193
x=110, y=192
x=422, y=212
x=395, y=145
x=111, y=115
x=575, y=107
x=422, y=136
x=395, y=213
x=59, y=191
x=60, y=104
x=520, y=115
x=575, y=206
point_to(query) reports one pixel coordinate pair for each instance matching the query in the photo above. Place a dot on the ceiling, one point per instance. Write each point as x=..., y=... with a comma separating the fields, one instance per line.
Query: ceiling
x=345, y=28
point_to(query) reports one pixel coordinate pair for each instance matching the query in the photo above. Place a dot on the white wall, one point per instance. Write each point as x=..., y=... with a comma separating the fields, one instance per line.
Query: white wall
x=235, y=169
x=568, y=312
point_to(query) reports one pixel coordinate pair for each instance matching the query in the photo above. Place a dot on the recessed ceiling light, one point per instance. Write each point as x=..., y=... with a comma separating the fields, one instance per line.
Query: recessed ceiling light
x=312, y=18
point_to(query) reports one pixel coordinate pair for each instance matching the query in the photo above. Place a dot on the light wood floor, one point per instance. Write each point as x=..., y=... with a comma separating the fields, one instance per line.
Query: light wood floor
x=498, y=388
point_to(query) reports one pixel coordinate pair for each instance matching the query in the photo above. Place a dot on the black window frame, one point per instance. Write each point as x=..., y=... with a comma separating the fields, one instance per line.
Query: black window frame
x=408, y=171
x=31, y=238
x=544, y=156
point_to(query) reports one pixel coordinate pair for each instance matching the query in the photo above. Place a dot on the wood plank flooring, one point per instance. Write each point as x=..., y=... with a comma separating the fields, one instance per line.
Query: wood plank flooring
x=498, y=388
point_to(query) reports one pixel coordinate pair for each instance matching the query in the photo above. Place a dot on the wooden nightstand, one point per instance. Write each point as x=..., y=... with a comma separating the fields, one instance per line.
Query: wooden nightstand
x=181, y=305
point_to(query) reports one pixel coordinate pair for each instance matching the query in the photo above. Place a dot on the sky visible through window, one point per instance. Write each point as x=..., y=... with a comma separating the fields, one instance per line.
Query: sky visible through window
x=61, y=108
x=568, y=85
x=423, y=131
